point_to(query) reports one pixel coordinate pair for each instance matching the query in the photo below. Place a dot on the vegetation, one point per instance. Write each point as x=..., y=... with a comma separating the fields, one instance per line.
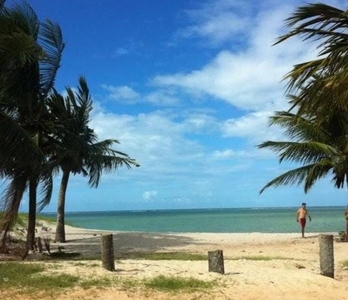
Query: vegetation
x=78, y=150
x=317, y=91
x=27, y=276
x=175, y=284
x=32, y=52
x=319, y=85
x=162, y=256
x=42, y=132
x=319, y=147
x=31, y=278
x=345, y=264
x=260, y=258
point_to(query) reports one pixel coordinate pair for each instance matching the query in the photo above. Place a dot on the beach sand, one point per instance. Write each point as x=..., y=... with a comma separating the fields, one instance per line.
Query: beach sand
x=292, y=272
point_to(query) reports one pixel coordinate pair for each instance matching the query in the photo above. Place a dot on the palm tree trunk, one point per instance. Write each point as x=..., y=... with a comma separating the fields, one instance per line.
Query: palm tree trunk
x=32, y=214
x=60, y=229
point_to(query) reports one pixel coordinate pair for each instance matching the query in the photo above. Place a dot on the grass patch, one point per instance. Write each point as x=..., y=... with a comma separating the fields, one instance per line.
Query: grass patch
x=22, y=220
x=190, y=256
x=345, y=263
x=14, y=274
x=27, y=276
x=97, y=282
x=30, y=279
x=162, y=256
x=83, y=264
x=41, y=218
x=177, y=284
x=260, y=258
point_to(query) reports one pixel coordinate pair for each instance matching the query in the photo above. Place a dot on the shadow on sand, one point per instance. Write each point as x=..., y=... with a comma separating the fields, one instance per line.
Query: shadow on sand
x=89, y=247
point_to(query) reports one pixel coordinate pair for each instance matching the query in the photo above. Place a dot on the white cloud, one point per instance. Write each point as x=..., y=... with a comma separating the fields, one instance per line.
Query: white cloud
x=121, y=51
x=155, y=140
x=149, y=195
x=216, y=21
x=248, y=78
x=123, y=93
x=254, y=126
x=238, y=79
x=230, y=154
x=162, y=98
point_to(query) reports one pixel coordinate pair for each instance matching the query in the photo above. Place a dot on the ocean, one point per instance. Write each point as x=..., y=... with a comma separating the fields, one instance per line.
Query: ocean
x=228, y=220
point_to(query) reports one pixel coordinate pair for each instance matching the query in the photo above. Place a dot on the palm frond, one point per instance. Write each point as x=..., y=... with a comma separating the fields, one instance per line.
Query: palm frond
x=325, y=19
x=319, y=82
x=301, y=152
x=308, y=174
x=11, y=199
x=14, y=139
x=102, y=159
x=51, y=41
x=46, y=186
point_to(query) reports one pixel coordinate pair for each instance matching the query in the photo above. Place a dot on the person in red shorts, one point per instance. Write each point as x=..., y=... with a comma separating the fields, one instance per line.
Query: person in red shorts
x=346, y=217
x=301, y=217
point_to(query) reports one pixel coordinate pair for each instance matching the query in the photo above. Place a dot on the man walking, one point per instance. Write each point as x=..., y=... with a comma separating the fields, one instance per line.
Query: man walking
x=301, y=217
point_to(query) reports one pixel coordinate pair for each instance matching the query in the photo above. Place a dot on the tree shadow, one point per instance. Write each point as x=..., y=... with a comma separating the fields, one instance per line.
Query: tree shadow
x=90, y=247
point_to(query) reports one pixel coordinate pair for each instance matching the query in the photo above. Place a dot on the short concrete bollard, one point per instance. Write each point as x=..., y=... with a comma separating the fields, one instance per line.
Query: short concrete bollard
x=216, y=261
x=326, y=254
x=107, y=252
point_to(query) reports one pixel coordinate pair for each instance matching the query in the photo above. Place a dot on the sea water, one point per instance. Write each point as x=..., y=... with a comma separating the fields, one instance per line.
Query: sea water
x=228, y=220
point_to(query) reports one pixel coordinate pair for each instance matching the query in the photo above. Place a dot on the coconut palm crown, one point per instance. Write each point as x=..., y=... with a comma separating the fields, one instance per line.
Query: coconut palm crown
x=314, y=82
x=321, y=149
x=77, y=149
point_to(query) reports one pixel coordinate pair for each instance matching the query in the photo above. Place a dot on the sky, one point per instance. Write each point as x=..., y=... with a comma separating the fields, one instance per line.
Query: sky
x=187, y=88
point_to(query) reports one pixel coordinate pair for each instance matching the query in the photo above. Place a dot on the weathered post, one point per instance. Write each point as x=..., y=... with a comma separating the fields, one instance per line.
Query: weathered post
x=39, y=244
x=326, y=253
x=107, y=252
x=216, y=261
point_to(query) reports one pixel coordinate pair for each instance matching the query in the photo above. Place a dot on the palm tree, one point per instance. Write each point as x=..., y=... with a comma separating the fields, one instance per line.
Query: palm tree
x=30, y=53
x=321, y=147
x=313, y=82
x=77, y=148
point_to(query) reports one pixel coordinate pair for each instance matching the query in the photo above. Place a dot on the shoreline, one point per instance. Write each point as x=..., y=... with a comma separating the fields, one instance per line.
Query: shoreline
x=87, y=241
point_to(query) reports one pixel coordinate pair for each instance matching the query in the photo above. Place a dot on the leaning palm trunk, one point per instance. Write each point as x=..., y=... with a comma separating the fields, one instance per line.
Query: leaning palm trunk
x=10, y=204
x=60, y=229
x=10, y=216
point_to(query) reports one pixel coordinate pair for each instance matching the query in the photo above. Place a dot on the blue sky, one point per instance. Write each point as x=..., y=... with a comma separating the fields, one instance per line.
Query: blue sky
x=187, y=87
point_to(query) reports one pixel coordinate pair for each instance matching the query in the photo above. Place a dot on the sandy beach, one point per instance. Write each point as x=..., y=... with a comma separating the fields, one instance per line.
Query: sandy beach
x=292, y=271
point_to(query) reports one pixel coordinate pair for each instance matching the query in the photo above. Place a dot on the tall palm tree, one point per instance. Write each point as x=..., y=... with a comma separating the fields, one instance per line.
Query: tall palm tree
x=314, y=82
x=320, y=147
x=78, y=150
x=30, y=53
